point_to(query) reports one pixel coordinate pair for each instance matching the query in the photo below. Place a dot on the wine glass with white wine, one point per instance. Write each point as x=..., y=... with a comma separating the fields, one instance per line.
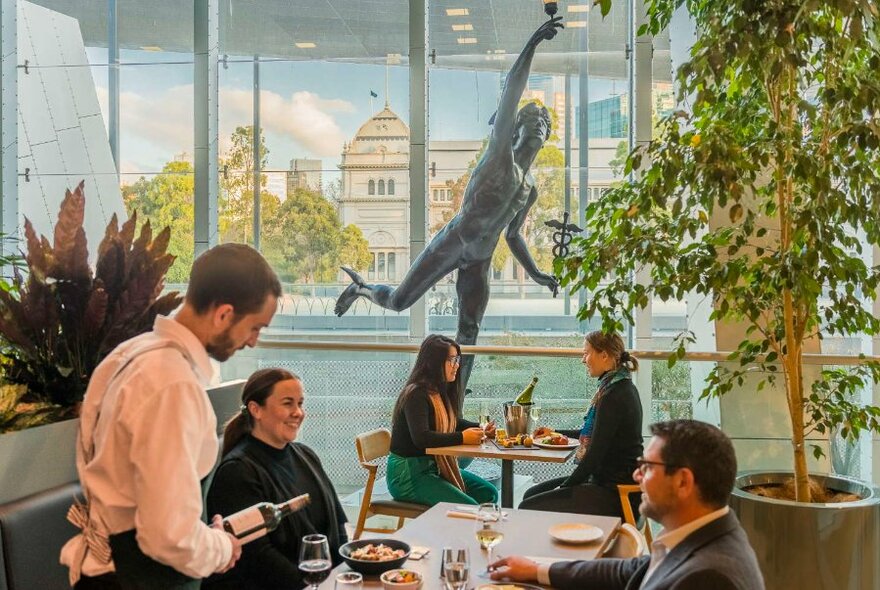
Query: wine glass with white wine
x=484, y=422
x=489, y=530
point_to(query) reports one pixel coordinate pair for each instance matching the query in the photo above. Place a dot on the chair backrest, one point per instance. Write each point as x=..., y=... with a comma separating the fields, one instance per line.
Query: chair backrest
x=33, y=530
x=624, y=491
x=373, y=445
x=628, y=543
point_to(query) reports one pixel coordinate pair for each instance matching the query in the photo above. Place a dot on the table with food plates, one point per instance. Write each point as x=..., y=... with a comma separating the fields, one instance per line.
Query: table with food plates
x=491, y=450
x=526, y=532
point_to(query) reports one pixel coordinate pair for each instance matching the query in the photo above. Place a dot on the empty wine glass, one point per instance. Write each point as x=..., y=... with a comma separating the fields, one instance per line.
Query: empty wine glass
x=314, y=560
x=489, y=531
x=456, y=568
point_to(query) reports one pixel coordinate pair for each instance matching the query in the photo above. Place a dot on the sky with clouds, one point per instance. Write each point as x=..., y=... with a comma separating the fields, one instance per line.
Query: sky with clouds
x=307, y=109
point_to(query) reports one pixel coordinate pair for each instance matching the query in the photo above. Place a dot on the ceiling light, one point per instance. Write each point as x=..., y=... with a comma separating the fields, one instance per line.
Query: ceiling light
x=151, y=48
x=457, y=12
x=464, y=27
x=578, y=8
x=467, y=40
x=305, y=45
x=576, y=24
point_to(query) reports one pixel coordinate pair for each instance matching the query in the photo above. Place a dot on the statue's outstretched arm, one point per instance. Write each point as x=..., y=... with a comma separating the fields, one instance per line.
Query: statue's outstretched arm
x=515, y=85
x=520, y=250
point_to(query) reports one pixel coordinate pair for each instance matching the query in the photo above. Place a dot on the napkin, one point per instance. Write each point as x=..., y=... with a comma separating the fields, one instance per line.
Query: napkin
x=467, y=514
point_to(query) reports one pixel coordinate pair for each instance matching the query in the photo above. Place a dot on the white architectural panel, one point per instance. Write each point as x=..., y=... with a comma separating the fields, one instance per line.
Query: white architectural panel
x=62, y=137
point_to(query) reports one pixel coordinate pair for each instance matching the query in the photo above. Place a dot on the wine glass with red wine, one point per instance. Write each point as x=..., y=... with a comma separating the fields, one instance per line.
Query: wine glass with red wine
x=314, y=560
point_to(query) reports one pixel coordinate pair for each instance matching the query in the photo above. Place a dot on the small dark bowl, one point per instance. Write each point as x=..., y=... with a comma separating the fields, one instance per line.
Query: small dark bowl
x=373, y=568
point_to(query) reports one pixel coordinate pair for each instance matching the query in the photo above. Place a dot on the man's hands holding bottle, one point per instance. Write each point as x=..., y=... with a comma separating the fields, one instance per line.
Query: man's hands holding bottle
x=217, y=523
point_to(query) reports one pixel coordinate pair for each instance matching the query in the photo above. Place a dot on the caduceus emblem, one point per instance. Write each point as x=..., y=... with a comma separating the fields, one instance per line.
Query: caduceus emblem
x=562, y=236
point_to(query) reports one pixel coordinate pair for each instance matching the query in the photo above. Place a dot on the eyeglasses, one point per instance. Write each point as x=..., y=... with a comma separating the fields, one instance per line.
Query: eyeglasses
x=643, y=464
x=455, y=360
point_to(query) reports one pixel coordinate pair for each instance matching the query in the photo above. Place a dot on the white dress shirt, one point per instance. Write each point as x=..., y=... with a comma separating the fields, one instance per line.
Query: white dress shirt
x=155, y=440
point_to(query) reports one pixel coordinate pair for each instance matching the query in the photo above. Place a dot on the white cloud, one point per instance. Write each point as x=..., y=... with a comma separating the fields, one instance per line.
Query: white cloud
x=305, y=117
x=166, y=121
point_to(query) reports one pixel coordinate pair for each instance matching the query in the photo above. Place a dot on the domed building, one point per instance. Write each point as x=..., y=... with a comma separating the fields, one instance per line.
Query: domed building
x=375, y=192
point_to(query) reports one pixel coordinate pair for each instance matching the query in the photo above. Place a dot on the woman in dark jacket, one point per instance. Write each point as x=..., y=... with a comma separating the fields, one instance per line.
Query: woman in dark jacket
x=610, y=439
x=261, y=463
x=425, y=416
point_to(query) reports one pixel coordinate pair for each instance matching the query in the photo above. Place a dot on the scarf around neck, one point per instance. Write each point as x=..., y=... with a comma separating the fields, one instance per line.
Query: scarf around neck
x=608, y=379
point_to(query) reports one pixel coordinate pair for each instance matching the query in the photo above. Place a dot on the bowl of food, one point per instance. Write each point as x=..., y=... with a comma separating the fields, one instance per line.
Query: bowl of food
x=401, y=580
x=372, y=557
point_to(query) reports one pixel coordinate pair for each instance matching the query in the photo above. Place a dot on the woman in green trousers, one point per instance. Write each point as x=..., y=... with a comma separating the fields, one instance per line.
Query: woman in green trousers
x=425, y=416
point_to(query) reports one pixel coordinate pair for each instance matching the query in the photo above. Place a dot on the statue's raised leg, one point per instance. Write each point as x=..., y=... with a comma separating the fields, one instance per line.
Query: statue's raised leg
x=435, y=261
x=472, y=287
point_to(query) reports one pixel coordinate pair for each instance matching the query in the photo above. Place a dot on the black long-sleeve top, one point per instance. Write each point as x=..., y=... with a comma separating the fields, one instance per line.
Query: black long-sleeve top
x=414, y=431
x=616, y=442
x=256, y=472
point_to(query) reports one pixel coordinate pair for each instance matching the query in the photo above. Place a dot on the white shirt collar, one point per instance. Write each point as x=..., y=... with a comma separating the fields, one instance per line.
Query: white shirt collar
x=669, y=539
x=166, y=327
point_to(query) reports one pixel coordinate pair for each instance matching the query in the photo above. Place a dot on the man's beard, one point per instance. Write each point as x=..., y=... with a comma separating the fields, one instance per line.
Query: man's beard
x=222, y=347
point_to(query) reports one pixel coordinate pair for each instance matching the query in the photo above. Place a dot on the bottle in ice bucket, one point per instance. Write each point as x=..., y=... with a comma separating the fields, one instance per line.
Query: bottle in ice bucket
x=525, y=397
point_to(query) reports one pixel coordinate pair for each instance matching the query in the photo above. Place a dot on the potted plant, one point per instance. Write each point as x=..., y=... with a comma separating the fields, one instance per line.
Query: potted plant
x=763, y=196
x=62, y=319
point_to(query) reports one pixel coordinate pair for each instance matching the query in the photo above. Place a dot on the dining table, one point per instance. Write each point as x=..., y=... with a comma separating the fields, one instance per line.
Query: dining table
x=526, y=532
x=490, y=450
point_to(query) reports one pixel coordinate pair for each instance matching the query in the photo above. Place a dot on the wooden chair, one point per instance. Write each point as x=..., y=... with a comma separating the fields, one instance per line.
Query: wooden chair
x=628, y=517
x=628, y=543
x=371, y=446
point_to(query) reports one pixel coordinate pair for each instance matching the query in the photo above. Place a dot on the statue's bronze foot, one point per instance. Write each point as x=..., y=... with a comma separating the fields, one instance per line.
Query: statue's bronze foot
x=344, y=301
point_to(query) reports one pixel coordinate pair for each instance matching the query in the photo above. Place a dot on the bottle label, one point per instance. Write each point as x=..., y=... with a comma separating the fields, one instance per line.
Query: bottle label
x=244, y=521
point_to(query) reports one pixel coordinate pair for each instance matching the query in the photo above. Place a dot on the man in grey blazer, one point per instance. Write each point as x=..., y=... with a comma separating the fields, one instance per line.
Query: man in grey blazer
x=686, y=477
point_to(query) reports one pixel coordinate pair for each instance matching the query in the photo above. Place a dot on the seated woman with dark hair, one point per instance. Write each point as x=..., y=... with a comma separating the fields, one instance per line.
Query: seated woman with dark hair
x=610, y=439
x=261, y=463
x=425, y=416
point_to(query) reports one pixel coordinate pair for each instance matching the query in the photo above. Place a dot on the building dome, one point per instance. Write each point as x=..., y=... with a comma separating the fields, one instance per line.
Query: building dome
x=384, y=132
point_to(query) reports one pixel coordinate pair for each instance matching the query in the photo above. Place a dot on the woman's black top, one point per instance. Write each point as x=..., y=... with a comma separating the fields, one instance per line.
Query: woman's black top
x=255, y=472
x=617, y=439
x=414, y=430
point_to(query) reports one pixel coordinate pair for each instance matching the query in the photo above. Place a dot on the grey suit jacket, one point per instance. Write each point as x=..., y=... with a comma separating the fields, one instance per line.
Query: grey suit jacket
x=717, y=557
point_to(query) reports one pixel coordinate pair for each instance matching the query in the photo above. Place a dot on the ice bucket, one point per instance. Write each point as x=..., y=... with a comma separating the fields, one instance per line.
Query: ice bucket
x=517, y=418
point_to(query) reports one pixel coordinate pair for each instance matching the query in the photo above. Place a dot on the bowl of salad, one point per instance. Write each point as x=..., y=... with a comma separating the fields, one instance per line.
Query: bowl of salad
x=372, y=557
x=401, y=580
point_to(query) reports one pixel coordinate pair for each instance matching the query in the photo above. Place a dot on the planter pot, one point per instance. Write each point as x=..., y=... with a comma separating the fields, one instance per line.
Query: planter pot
x=43, y=457
x=37, y=459
x=812, y=546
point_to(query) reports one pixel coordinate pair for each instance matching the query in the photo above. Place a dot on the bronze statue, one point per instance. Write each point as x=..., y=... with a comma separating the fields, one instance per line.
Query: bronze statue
x=498, y=197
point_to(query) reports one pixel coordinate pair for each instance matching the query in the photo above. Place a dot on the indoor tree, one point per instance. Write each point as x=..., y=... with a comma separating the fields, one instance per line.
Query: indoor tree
x=762, y=193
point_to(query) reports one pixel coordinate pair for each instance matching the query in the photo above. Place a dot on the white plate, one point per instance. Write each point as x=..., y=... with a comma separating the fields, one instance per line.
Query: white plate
x=571, y=445
x=575, y=532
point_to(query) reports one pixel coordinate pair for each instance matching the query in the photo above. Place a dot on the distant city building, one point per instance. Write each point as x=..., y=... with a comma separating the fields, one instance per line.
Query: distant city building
x=375, y=192
x=304, y=173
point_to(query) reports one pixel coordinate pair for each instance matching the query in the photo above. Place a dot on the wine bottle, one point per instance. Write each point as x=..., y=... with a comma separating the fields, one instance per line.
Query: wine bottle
x=260, y=519
x=526, y=396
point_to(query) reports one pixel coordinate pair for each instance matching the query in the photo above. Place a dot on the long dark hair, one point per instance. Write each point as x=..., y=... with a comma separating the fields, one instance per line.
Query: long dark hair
x=430, y=372
x=612, y=343
x=258, y=387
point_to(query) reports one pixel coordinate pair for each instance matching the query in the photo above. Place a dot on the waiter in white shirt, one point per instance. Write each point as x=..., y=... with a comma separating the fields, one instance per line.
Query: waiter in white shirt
x=686, y=477
x=148, y=435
